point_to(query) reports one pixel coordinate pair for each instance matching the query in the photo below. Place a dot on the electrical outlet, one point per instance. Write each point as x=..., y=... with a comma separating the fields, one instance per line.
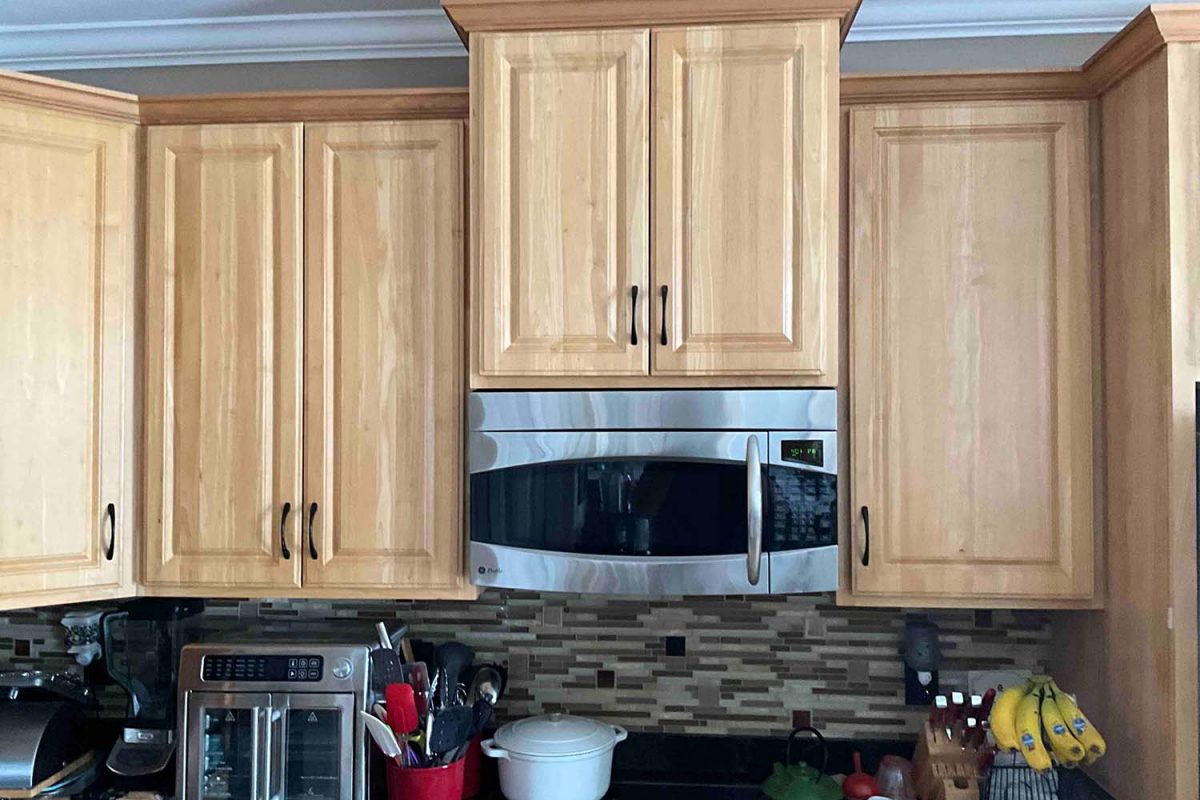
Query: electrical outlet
x=979, y=681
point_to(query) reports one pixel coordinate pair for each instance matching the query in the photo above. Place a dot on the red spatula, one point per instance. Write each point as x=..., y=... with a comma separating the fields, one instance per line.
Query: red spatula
x=401, y=709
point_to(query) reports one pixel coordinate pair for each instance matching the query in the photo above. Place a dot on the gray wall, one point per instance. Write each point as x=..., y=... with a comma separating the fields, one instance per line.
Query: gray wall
x=1030, y=52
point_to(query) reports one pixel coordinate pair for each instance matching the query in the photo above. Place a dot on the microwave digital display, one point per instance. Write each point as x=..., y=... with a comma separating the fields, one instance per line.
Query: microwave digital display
x=803, y=451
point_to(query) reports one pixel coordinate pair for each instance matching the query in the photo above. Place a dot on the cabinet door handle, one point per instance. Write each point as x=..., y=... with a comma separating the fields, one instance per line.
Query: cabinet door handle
x=312, y=544
x=662, y=339
x=110, y=515
x=866, y=517
x=283, y=548
x=633, y=316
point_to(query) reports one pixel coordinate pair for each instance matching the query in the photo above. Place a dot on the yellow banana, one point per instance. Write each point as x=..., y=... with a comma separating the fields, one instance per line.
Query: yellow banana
x=1065, y=747
x=1029, y=731
x=1004, y=718
x=1081, y=728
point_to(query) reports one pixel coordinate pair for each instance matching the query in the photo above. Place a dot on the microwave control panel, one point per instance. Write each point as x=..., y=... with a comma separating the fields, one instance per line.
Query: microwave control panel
x=261, y=668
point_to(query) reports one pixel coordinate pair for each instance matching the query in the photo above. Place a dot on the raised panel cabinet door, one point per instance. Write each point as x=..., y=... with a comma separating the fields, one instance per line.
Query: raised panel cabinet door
x=971, y=324
x=67, y=326
x=223, y=330
x=383, y=399
x=560, y=197
x=745, y=201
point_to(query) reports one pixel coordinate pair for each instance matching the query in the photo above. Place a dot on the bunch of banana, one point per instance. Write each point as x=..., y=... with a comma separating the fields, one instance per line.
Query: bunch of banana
x=1041, y=720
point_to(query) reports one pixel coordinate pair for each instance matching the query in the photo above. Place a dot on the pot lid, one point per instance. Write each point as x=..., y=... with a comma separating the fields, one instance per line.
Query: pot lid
x=556, y=735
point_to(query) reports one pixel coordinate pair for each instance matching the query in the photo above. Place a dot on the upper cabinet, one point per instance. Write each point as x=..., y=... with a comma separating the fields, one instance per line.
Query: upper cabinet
x=745, y=200
x=67, y=327
x=384, y=275
x=223, y=336
x=603, y=255
x=561, y=203
x=971, y=346
x=304, y=411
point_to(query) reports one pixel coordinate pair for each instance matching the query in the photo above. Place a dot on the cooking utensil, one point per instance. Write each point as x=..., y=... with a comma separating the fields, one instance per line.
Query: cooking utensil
x=416, y=675
x=452, y=658
x=385, y=664
x=384, y=739
x=859, y=785
x=402, y=708
x=485, y=685
x=481, y=714
x=554, y=757
x=451, y=732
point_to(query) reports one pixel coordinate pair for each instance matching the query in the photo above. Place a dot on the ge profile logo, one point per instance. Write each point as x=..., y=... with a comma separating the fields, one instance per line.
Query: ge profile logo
x=483, y=570
x=488, y=571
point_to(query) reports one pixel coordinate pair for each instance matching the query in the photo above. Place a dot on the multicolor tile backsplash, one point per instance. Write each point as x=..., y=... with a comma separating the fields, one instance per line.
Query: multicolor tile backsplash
x=746, y=665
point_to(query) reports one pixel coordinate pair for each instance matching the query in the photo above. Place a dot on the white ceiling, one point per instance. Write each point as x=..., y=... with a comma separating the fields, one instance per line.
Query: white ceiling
x=41, y=35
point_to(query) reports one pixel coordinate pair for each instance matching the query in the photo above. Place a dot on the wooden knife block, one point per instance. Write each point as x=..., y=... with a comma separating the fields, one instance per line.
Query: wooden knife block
x=943, y=770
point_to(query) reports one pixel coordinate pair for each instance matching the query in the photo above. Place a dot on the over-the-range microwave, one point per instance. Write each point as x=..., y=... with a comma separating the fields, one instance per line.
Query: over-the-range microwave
x=654, y=493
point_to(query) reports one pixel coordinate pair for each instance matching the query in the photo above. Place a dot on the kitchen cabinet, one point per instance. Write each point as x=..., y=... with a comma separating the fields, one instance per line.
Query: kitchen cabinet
x=971, y=354
x=561, y=203
x=67, y=327
x=383, y=355
x=584, y=276
x=745, y=200
x=223, y=372
x=304, y=404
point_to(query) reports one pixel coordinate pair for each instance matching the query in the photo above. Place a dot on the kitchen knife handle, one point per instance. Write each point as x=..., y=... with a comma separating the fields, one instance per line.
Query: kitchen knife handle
x=754, y=512
x=866, y=518
x=662, y=339
x=633, y=293
x=110, y=514
x=312, y=544
x=283, y=548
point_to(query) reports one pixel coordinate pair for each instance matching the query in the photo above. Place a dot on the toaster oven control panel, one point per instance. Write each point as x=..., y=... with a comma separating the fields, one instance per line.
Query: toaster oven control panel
x=273, y=669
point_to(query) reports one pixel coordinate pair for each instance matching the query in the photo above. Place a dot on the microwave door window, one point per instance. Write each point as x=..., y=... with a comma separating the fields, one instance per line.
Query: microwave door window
x=621, y=507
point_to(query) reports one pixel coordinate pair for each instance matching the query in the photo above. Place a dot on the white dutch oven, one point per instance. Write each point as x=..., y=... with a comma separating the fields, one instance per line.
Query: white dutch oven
x=555, y=757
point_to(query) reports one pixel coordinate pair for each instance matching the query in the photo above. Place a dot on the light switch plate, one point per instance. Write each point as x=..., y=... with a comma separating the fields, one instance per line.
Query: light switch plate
x=979, y=681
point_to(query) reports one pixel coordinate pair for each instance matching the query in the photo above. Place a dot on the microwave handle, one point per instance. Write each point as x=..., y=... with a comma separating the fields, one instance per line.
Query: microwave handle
x=258, y=769
x=754, y=513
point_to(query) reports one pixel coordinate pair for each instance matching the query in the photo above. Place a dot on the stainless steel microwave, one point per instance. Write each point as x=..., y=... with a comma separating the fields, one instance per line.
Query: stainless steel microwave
x=654, y=493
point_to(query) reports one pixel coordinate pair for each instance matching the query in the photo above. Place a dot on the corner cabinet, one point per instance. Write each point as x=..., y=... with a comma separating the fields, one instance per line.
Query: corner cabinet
x=971, y=355
x=598, y=259
x=300, y=441
x=67, y=328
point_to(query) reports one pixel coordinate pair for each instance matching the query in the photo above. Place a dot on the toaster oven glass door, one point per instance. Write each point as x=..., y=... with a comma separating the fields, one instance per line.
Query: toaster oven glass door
x=227, y=746
x=313, y=746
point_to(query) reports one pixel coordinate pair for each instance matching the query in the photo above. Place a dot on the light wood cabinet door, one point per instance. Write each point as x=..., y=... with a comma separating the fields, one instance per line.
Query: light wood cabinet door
x=383, y=398
x=971, y=322
x=745, y=201
x=67, y=327
x=560, y=198
x=223, y=335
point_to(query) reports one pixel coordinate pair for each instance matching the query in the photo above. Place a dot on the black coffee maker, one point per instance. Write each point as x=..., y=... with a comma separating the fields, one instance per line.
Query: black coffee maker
x=141, y=653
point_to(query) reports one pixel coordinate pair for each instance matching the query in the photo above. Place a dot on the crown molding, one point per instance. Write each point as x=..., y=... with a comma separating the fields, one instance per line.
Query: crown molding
x=898, y=20
x=400, y=33
x=942, y=87
x=324, y=106
x=71, y=97
x=471, y=16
